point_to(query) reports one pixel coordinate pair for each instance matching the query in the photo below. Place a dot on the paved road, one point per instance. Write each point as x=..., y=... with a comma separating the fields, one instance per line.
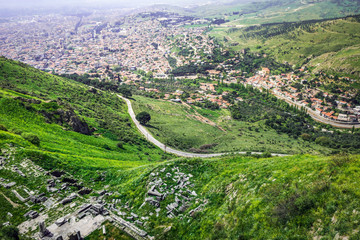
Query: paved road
x=150, y=138
x=319, y=118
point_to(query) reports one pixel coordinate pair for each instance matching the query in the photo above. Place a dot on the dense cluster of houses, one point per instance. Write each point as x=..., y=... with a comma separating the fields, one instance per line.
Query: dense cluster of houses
x=340, y=109
x=329, y=106
x=70, y=44
x=118, y=51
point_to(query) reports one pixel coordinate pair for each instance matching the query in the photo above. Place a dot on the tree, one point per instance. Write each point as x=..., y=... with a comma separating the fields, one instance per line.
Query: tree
x=126, y=92
x=143, y=118
x=10, y=233
x=150, y=74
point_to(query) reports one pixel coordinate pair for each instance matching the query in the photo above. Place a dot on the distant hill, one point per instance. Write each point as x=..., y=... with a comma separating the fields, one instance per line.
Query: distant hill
x=258, y=12
x=331, y=45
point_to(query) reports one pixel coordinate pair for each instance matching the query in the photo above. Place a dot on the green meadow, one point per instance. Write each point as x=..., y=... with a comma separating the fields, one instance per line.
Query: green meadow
x=177, y=126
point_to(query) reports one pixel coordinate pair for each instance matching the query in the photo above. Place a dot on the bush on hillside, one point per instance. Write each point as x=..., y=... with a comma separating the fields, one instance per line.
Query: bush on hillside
x=105, y=146
x=31, y=138
x=3, y=128
x=324, y=141
x=266, y=155
x=339, y=160
x=9, y=233
x=120, y=144
x=294, y=205
x=16, y=131
x=306, y=136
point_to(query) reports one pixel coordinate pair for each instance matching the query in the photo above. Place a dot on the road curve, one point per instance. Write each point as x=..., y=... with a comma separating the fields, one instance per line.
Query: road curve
x=167, y=149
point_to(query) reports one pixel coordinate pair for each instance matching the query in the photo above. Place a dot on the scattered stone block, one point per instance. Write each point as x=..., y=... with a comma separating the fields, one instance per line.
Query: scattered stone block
x=9, y=185
x=60, y=222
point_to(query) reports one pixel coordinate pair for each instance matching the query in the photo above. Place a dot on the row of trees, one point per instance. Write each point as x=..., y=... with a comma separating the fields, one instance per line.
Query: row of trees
x=104, y=85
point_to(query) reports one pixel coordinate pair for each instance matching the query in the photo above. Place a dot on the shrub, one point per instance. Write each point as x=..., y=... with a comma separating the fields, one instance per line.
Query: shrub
x=338, y=161
x=105, y=146
x=31, y=138
x=208, y=146
x=3, y=128
x=266, y=155
x=324, y=141
x=16, y=131
x=306, y=136
x=120, y=144
x=294, y=205
x=51, y=106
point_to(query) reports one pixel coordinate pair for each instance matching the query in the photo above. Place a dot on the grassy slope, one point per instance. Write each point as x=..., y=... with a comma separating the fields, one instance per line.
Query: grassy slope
x=60, y=147
x=173, y=123
x=95, y=159
x=297, y=197
x=336, y=38
x=268, y=11
x=346, y=61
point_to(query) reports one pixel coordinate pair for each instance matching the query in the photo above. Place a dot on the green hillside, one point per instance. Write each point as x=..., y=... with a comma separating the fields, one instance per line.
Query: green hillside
x=290, y=11
x=57, y=124
x=228, y=135
x=300, y=197
x=270, y=11
x=321, y=43
x=52, y=107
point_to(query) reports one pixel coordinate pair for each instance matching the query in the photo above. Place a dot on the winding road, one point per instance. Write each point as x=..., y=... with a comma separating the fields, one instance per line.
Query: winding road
x=317, y=117
x=167, y=149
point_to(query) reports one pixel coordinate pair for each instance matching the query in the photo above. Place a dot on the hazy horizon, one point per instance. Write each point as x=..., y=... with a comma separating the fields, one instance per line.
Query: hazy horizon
x=48, y=4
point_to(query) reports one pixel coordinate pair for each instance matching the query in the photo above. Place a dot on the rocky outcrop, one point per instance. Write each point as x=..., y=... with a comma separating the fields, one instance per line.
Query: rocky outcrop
x=70, y=118
x=77, y=124
x=61, y=116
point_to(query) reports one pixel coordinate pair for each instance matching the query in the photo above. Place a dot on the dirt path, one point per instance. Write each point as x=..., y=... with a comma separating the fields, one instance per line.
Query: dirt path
x=15, y=205
x=201, y=118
